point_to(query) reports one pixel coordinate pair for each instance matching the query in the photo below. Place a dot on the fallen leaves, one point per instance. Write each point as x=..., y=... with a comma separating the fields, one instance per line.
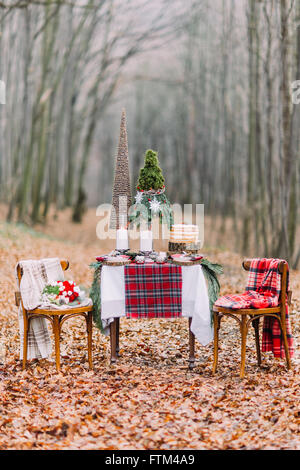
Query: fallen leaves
x=149, y=399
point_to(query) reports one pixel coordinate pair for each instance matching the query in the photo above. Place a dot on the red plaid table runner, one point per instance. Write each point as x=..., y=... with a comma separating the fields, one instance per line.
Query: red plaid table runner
x=153, y=290
x=263, y=291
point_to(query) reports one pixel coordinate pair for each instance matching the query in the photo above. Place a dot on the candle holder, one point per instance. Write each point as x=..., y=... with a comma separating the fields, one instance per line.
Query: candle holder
x=121, y=252
x=145, y=253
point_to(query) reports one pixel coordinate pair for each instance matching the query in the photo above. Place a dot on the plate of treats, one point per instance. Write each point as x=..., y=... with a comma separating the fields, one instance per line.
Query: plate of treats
x=114, y=259
x=186, y=260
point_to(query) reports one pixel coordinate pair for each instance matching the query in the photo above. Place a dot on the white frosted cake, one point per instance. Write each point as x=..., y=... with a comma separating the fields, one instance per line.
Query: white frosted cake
x=182, y=233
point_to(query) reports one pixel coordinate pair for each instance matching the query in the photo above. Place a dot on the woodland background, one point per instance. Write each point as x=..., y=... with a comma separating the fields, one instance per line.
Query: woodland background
x=207, y=84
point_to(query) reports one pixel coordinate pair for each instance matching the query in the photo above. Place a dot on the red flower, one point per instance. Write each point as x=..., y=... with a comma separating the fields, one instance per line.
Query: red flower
x=69, y=290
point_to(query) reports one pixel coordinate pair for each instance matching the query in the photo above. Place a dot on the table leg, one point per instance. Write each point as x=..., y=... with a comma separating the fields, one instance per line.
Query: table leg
x=113, y=341
x=117, y=336
x=192, y=346
x=255, y=325
x=217, y=320
x=244, y=330
x=89, y=320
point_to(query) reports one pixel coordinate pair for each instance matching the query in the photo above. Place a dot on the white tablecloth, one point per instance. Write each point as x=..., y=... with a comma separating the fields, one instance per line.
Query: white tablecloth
x=195, y=302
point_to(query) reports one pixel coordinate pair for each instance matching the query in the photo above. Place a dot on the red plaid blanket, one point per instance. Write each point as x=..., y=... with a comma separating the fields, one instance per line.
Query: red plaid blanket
x=263, y=291
x=153, y=291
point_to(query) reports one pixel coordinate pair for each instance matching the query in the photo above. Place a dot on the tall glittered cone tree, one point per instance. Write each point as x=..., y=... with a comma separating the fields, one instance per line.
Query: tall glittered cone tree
x=121, y=199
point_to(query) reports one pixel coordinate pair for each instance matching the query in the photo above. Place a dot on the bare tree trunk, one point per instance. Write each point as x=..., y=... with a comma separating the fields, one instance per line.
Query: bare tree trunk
x=252, y=126
x=270, y=147
x=285, y=154
x=295, y=151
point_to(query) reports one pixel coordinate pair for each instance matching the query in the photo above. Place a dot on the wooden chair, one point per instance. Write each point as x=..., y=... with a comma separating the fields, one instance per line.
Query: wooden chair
x=57, y=318
x=246, y=316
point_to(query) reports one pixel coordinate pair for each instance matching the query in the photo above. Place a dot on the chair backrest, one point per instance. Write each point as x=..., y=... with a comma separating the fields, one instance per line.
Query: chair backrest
x=64, y=264
x=283, y=270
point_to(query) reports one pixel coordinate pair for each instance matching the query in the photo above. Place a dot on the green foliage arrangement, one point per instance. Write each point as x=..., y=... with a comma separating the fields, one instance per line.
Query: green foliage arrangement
x=51, y=290
x=145, y=211
x=211, y=272
x=95, y=294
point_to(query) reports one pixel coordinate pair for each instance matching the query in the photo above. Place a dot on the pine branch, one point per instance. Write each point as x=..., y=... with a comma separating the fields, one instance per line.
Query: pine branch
x=95, y=295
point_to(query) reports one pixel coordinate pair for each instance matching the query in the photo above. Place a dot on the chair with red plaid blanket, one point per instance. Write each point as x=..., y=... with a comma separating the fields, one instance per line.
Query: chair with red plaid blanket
x=266, y=296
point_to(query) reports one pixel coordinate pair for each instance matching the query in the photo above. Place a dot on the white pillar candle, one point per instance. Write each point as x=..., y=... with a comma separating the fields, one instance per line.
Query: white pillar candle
x=146, y=240
x=122, y=239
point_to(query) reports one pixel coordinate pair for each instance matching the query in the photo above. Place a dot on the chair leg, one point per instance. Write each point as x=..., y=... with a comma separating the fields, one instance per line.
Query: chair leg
x=192, y=346
x=244, y=330
x=89, y=321
x=255, y=324
x=25, y=340
x=56, y=331
x=217, y=320
x=285, y=342
x=118, y=336
x=113, y=342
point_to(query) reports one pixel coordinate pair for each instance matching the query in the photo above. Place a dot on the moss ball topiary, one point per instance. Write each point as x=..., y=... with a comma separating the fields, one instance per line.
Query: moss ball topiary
x=151, y=177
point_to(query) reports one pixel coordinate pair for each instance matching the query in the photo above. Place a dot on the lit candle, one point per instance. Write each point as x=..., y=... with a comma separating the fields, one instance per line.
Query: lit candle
x=146, y=240
x=122, y=239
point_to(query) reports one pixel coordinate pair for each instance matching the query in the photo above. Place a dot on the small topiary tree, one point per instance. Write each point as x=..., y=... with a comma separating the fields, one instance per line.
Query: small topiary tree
x=151, y=177
x=151, y=200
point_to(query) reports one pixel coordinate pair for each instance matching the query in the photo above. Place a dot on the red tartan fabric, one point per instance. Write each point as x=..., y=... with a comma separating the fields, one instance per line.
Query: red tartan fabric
x=263, y=291
x=153, y=290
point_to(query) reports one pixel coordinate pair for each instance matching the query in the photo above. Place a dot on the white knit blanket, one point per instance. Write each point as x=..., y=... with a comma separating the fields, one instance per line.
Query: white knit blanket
x=36, y=275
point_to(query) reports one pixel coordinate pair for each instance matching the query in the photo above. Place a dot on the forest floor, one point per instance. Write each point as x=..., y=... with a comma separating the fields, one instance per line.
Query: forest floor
x=149, y=399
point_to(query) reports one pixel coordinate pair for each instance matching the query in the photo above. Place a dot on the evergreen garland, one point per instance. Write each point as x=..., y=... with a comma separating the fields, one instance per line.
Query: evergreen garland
x=96, y=296
x=143, y=209
x=211, y=272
